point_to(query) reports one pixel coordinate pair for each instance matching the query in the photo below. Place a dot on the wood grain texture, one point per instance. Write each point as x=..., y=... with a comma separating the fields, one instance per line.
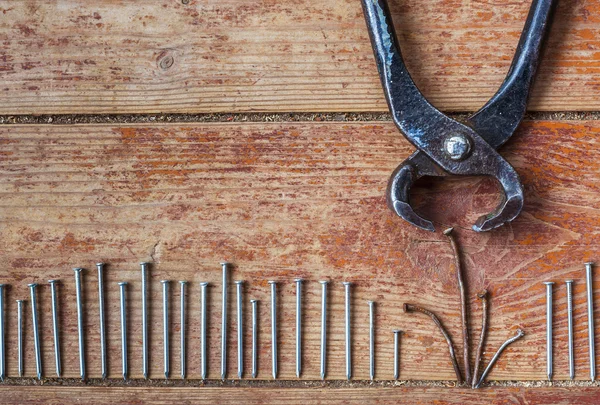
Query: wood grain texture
x=397, y=395
x=111, y=56
x=283, y=201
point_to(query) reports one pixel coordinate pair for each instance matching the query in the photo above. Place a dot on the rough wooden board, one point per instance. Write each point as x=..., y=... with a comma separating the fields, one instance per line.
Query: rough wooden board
x=195, y=395
x=283, y=201
x=112, y=56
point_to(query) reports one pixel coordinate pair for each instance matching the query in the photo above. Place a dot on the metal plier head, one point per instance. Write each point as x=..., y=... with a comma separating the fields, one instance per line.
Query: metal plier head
x=446, y=146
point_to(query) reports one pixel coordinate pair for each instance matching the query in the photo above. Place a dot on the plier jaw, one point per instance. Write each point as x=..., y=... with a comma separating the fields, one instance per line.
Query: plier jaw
x=446, y=146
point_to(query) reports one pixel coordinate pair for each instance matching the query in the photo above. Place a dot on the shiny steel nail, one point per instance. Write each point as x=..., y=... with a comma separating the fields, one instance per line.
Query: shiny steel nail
x=347, y=286
x=323, y=328
x=590, y=302
x=371, y=339
x=569, y=284
x=549, y=355
x=36, y=331
x=254, y=338
x=298, y=282
x=274, y=327
x=2, y=336
x=224, y=266
x=240, y=328
x=125, y=369
x=182, y=327
x=80, y=338
x=103, y=354
x=165, y=298
x=145, y=359
x=53, y=290
x=397, y=334
x=203, y=328
x=20, y=334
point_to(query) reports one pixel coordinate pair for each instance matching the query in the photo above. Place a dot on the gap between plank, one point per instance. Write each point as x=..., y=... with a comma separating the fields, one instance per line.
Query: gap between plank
x=66, y=119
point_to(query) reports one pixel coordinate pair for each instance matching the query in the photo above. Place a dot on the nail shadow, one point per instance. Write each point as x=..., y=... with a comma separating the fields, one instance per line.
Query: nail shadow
x=84, y=318
x=209, y=294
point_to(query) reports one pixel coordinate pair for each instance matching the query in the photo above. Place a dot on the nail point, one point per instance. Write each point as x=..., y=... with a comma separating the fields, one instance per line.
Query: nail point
x=448, y=231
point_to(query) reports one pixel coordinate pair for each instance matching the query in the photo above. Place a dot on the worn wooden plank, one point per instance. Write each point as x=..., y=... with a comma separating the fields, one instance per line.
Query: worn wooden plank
x=283, y=201
x=112, y=56
x=199, y=395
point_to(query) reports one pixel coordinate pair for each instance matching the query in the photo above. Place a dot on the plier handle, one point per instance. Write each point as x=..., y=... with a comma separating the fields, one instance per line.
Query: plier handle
x=446, y=146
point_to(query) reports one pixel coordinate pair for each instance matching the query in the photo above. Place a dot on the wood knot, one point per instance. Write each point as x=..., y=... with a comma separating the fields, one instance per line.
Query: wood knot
x=166, y=60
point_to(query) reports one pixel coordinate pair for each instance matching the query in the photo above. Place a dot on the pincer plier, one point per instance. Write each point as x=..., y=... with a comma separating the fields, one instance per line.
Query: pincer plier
x=445, y=145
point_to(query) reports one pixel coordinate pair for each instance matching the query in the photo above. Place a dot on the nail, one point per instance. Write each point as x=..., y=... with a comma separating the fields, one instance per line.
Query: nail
x=203, y=327
x=590, y=302
x=145, y=360
x=100, y=267
x=274, y=327
x=323, y=328
x=569, y=284
x=224, y=266
x=549, y=355
x=165, y=298
x=298, y=282
x=347, y=286
x=240, y=330
x=2, y=336
x=20, y=334
x=414, y=308
x=519, y=335
x=182, y=345
x=484, y=326
x=254, y=338
x=80, y=322
x=36, y=331
x=125, y=369
x=371, y=339
x=397, y=334
x=463, y=303
x=54, y=293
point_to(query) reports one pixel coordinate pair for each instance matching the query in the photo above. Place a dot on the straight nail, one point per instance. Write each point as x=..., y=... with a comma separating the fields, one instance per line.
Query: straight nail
x=36, y=331
x=298, y=282
x=2, y=336
x=347, y=286
x=165, y=299
x=182, y=327
x=145, y=344
x=323, y=328
x=203, y=327
x=549, y=354
x=274, y=328
x=224, y=267
x=254, y=338
x=569, y=284
x=103, y=354
x=124, y=366
x=54, y=293
x=397, y=334
x=591, y=334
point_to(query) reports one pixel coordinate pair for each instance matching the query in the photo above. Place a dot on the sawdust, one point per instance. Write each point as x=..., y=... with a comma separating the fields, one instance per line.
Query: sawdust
x=71, y=382
x=67, y=119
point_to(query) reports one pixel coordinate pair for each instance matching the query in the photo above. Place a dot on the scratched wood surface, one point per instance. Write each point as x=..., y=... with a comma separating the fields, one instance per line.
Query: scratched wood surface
x=283, y=201
x=112, y=56
x=398, y=395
